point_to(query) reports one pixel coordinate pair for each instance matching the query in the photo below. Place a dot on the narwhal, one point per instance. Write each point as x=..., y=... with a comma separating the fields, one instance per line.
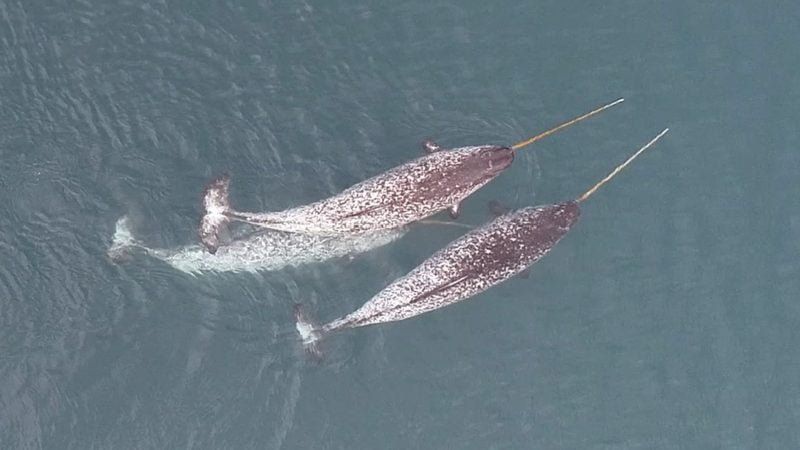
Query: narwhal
x=439, y=180
x=471, y=264
x=254, y=250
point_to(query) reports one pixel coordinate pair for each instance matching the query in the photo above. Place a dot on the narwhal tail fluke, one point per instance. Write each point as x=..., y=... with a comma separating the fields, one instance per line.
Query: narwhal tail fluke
x=310, y=332
x=216, y=205
x=123, y=241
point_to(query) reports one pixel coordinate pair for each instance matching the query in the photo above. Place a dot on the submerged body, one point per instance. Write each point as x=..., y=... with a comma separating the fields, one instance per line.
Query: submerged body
x=402, y=195
x=467, y=266
x=256, y=251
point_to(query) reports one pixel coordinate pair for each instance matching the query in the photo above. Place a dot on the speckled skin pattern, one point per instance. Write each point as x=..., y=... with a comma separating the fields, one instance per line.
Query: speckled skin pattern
x=467, y=266
x=397, y=197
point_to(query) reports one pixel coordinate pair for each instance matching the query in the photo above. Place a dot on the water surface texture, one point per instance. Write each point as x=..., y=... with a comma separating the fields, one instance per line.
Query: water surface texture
x=669, y=317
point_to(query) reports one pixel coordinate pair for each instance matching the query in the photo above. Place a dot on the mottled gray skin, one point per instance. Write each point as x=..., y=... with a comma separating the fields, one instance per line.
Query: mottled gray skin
x=260, y=250
x=467, y=266
x=397, y=197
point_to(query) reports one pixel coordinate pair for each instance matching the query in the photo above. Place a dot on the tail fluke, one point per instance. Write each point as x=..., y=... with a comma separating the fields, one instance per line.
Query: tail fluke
x=310, y=334
x=215, y=205
x=122, y=241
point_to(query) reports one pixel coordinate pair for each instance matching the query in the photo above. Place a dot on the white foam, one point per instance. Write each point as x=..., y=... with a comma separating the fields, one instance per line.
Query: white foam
x=264, y=250
x=306, y=330
x=123, y=236
x=123, y=239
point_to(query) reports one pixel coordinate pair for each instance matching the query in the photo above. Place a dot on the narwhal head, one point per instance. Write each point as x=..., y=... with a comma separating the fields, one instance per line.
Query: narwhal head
x=481, y=164
x=495, y=159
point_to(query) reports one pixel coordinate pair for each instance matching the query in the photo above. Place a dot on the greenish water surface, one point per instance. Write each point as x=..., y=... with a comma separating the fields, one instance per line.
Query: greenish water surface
x=669, y=317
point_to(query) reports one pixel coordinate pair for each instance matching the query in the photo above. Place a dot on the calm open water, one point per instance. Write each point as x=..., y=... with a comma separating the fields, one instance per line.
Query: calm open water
x=668, y=318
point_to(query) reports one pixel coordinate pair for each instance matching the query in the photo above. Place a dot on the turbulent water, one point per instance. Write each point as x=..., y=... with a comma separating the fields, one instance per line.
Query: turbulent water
x=668, y=317
x=252, y=251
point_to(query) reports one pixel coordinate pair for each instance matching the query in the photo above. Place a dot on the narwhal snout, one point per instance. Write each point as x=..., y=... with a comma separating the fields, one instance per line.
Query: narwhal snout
x=500, y=158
